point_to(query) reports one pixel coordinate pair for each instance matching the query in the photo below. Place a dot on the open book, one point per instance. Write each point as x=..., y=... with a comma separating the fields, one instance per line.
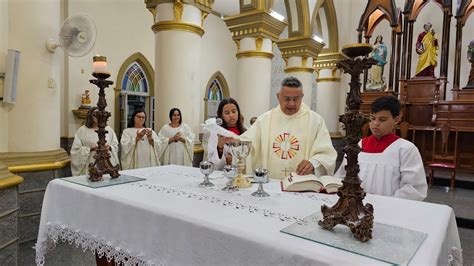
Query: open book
x=325, y=183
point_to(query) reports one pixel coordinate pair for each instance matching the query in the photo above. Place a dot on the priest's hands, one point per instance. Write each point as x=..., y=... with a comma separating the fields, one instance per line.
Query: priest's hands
x=305, y=167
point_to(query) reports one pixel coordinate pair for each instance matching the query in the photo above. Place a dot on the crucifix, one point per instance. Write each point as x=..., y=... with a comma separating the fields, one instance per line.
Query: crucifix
x=286, y=171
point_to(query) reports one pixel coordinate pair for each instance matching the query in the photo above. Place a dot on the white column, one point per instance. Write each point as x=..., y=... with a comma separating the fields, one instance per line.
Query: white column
x=254, y=76
x=327, y=97
x=34, y=120
x=177, y=58
x=302, y=68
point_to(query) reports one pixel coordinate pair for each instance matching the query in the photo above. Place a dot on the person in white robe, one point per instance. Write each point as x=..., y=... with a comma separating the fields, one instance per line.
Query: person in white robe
x=180, y=147
x=85, y=143
x=219, y=153
x=389, y=165
x=290, y=137
x=140, y=146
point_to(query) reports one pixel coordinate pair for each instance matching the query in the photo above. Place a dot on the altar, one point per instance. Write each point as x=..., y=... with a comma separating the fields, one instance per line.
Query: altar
x=168, y=219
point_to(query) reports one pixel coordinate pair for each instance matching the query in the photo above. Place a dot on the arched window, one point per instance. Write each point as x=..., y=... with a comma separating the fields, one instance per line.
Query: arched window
x=135, y=79
x=216, y=90
x=214, y=97
x=134, y=91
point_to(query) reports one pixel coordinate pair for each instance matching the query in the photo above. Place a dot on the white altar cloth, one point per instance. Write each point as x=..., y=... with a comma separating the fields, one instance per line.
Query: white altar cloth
x=169, y=220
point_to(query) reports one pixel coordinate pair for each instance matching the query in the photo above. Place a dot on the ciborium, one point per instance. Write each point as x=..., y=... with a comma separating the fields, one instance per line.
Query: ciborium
x=260, y=176
x=240, y=150
x=206, y=169
x=349, y=209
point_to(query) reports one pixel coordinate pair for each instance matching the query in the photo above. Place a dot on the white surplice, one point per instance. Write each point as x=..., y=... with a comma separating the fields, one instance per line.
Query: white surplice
x=139, y=154
x=85, y=139
x=177, y=152
x=397, y=172
x=213, y=155
x=280, y=142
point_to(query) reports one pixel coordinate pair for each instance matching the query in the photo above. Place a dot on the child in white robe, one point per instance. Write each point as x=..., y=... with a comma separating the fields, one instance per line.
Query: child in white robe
x=389, y=165
x=218, y=152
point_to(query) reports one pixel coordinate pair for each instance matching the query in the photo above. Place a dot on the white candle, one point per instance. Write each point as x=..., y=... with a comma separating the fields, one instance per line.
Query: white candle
x=99, y=65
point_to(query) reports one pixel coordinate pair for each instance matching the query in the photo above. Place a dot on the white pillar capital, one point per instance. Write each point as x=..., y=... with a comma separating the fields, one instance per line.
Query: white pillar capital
x=177, y=16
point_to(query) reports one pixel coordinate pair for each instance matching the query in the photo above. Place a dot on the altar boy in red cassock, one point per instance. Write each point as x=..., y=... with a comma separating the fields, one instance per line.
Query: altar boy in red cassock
x=389, y=165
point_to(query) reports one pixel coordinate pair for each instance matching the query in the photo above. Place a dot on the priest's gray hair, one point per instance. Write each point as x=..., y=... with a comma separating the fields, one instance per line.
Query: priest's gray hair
x=291, y=82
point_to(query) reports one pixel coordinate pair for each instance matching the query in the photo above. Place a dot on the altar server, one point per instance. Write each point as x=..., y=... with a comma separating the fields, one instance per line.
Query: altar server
x=389, y=165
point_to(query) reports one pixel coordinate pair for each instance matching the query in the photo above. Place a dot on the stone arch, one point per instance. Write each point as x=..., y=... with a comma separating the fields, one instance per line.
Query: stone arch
x=297, y=13
x=331, y=22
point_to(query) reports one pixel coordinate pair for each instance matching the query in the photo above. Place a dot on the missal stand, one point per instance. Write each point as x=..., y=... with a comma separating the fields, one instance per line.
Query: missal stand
x=349, y=210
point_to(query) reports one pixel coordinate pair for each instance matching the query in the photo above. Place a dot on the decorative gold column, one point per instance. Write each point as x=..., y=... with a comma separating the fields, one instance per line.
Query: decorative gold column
x=254, y=31
x=178, y=28
x=299, y=54
x=327, y=91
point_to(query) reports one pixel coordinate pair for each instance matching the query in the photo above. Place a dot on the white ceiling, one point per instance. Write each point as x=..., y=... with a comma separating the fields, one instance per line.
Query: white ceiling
x=231, y=7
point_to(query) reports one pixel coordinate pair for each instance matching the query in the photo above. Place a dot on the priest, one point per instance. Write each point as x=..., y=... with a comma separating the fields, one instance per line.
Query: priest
x=290, y=137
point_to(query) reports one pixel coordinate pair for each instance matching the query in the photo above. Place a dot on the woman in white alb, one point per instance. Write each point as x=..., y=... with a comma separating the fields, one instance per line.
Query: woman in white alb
x=179, y=149
x=85, y=143
x=141, y=146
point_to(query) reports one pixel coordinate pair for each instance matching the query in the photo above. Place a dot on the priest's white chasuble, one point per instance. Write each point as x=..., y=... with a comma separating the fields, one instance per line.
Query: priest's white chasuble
x=280, y=142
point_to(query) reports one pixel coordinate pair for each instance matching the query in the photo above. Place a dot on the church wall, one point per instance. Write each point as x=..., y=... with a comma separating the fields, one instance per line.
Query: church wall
x=217, y=54
x=33, y=121
x=123, y=28
x=3, y=53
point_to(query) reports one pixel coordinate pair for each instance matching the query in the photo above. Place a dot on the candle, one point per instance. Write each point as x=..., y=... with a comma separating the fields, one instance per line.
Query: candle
x=99, y=65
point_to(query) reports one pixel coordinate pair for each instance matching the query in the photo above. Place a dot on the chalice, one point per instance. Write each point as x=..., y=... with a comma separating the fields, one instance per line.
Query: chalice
x=260, y=176
x=240, y=150
x=229, y=173
x=206, y=168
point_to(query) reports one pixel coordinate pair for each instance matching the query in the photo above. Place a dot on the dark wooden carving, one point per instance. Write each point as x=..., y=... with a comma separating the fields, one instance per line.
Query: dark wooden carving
x=464, y=10
x=102, y=164
x=350, y=210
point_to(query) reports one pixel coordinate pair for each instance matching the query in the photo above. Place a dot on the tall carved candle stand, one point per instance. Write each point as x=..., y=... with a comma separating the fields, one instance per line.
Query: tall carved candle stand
x=102, y=164
x=349, y=210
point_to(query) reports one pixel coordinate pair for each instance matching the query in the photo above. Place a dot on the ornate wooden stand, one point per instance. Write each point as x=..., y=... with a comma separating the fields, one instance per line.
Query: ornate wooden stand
x=102, y=164
x=349, y=210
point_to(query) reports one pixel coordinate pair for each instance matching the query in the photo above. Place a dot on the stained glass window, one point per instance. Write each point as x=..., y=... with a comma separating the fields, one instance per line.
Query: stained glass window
x=135, y=79
x=214, y=97
x=214, y=91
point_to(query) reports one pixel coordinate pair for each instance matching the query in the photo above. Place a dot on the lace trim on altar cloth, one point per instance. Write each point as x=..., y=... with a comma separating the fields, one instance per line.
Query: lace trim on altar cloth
x=223, y=202
x=455, y=257
x=56, y=233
